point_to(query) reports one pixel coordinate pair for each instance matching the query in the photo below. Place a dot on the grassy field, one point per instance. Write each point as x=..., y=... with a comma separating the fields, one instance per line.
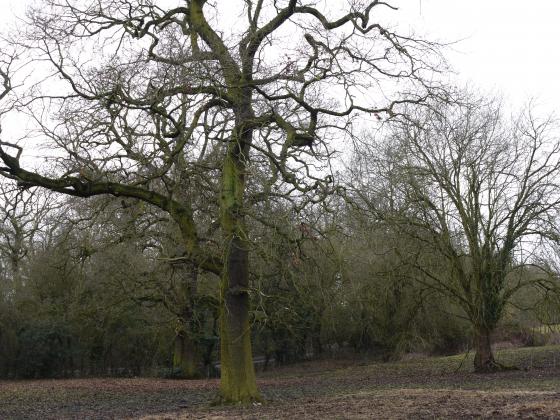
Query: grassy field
x=417, y=387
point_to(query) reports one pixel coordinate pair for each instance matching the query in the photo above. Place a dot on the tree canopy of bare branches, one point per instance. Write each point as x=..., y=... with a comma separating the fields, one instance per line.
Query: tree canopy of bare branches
x=144, y=98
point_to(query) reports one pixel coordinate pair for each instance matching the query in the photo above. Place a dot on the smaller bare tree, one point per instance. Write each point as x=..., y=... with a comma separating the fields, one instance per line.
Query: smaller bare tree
x=481, y=196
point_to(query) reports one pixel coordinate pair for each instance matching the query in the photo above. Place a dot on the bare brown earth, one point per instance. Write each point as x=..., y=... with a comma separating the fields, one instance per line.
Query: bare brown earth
x=414, y=388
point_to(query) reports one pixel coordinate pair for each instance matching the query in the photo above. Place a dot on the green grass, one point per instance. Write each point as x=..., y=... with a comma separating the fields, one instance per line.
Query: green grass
x=523, y=358
x=547, y=329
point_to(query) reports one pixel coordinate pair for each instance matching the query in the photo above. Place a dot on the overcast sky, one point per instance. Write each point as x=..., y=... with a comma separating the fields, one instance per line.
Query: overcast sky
x=509, y=46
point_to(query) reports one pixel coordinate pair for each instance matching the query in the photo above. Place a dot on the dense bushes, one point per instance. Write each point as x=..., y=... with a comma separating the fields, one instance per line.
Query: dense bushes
x=44, y=350
x=65, y=319
x=49, y=348
x=111, y=309
x=8, y=341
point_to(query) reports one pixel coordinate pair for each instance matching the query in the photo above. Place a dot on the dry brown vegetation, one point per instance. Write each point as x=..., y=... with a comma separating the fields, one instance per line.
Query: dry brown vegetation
x=414, y=388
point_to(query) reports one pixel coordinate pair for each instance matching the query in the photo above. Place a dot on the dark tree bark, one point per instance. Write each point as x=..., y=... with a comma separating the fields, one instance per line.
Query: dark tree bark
x=484, y=358
x=186, y=357
x=187, y=352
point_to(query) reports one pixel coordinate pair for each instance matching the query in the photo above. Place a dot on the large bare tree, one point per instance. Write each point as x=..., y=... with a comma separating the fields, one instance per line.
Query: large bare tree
x=141, y=97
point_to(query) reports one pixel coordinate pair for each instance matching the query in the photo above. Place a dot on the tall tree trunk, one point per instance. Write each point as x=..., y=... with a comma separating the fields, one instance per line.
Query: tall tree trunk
x=238, y=382
x=186, y=356
x=484, y=358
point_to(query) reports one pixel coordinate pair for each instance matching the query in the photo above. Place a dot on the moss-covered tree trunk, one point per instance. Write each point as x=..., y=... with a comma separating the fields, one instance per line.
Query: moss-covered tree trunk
x=187, y=354
x=186, y=357
x=484, y=358
x=488, y=310
x=238, y=382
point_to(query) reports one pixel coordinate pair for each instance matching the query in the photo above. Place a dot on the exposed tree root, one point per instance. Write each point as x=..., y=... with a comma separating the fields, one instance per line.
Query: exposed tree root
x=491, y=366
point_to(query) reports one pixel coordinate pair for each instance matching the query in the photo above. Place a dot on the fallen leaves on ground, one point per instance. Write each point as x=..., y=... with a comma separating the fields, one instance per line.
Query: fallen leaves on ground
x=417, y=388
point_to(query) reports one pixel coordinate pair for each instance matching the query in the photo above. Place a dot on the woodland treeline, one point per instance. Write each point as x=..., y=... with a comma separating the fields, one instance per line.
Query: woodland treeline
x=101, y=287
x=193, y=188
x=100, y=293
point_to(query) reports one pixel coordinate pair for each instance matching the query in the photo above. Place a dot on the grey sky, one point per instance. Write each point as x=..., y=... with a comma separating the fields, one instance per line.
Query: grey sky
x=509, y=46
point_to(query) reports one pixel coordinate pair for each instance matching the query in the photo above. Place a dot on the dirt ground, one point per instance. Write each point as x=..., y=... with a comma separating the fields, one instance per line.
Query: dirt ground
x=414, y=388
